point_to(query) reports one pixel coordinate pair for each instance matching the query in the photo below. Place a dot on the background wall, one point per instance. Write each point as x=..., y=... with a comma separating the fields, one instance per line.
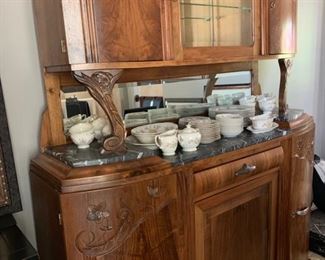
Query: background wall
x=23, y=92
x=305, y=84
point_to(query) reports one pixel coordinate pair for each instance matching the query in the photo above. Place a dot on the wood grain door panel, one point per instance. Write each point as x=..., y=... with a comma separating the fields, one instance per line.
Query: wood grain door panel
x=239, y=223
x=137, y=221
x=282, y=16
x=128, y=30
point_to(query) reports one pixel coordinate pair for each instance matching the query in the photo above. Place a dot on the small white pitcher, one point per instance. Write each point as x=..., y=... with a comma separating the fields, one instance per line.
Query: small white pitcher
x=167, y=142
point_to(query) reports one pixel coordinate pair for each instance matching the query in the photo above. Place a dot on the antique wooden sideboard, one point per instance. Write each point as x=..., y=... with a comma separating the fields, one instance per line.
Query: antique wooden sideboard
x=206, y=207
x=248, y=198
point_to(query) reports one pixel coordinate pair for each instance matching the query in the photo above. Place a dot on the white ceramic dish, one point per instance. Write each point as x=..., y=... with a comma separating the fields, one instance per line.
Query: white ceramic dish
x=230, y=119
x=134, y=141
x=229, y=132
x=262, y=122
x=146, y=133
x=167, y=142
x=82, y=134
x=254, y=131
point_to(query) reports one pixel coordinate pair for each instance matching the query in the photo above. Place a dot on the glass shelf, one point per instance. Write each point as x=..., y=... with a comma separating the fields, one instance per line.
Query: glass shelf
x=243, y=8
x=207, y=19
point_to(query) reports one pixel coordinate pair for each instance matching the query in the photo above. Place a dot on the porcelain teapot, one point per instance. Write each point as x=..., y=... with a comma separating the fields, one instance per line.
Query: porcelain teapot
x=189, y=138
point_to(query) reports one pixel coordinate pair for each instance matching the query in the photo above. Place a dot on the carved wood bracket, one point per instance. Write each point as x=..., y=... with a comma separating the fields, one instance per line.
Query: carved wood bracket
x=100, y=86
x=285, y=66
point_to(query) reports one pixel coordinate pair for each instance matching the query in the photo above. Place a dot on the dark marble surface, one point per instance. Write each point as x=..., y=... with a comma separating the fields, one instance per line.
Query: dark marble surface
x=75, y=157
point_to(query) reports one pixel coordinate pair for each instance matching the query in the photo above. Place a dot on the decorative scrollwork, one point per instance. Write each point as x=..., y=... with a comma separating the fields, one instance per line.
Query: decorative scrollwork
x=305, y=147
x=100, y=86
x=99, y=243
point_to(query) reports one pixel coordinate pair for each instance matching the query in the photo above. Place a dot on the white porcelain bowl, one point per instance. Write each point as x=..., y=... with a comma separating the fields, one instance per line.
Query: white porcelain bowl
x=146, y=133
x=231, y=131
x=82, y=134
x=230, y=119
x=262, y=122
x=267, y=106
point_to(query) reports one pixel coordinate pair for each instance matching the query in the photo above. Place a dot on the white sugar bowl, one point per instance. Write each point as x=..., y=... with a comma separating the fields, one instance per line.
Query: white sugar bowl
x=189, y=138
x=82, y=134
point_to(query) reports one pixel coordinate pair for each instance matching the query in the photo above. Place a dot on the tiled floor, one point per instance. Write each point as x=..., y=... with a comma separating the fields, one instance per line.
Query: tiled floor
x=313, y=256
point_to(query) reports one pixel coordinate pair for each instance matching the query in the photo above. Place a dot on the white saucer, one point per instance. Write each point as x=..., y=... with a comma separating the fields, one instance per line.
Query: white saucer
x=254, y=131
x=132, y=140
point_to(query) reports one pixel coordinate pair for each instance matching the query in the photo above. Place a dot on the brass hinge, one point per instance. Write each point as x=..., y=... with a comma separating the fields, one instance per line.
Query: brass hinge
x=63, y=46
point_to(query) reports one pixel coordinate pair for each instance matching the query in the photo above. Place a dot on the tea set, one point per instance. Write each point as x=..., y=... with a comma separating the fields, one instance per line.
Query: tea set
x=166, y=136
x=229, y=121
x=85, y=130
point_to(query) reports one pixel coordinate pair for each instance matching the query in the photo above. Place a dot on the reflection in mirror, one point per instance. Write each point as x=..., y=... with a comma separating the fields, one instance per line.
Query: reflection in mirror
x=156, y=101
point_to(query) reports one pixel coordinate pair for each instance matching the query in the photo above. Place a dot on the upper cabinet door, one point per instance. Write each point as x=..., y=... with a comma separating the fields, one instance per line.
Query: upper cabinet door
x=282, y=15
x=101, y=31
x=128, y=30
x=219, y=29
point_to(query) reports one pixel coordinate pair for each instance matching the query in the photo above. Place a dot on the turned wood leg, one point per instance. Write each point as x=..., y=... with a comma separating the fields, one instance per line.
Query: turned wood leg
x=100, y=86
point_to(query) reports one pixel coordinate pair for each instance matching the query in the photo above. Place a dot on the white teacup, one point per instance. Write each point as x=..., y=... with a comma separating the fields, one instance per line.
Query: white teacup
x=167, y=142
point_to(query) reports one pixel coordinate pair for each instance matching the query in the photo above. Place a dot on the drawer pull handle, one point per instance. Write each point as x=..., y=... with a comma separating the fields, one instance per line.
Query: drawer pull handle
x=246, y=169
x=301, y=213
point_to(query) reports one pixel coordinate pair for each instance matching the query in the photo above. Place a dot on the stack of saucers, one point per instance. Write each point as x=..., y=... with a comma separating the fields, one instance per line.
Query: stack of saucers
x=209, y=129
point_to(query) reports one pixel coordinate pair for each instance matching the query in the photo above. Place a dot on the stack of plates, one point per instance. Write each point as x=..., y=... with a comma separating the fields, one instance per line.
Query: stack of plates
x=209, y=129
x=193, y=120
x=245, y=111
x=161, y=115
x=190, y=110
x=136, y=119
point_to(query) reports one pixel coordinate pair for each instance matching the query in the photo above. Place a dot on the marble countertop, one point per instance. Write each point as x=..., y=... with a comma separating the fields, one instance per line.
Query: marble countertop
x=74, y=157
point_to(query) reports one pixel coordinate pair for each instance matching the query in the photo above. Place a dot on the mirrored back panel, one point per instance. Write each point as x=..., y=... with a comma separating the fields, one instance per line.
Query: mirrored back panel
x=155, y=101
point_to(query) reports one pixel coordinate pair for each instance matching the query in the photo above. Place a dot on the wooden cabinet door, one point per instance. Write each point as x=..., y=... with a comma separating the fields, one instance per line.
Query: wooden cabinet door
x=219, y=29
x=301, y=193
x=136, y=221
x=129, y=30
x=282, y=15
x=239, y=223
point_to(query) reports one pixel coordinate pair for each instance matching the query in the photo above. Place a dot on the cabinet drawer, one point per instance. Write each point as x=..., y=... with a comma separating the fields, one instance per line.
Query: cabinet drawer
x=237, y=171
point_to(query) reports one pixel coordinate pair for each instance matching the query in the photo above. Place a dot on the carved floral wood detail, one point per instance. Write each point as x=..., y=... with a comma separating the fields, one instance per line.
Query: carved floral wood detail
x=91, y=244
x=100, y=86
x=305, y=147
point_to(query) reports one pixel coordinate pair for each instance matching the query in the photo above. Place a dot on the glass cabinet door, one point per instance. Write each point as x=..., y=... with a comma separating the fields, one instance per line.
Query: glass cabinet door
x=211, y=23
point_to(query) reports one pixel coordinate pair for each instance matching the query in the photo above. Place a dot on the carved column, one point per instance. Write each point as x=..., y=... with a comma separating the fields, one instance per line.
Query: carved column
x=100, y=86
x=285, y=66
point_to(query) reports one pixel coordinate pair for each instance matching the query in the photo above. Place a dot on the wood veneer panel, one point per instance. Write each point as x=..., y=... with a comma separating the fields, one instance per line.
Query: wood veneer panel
x=128, y=30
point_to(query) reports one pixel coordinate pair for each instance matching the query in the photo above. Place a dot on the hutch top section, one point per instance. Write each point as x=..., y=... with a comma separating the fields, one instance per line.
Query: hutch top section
x=126, y=34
